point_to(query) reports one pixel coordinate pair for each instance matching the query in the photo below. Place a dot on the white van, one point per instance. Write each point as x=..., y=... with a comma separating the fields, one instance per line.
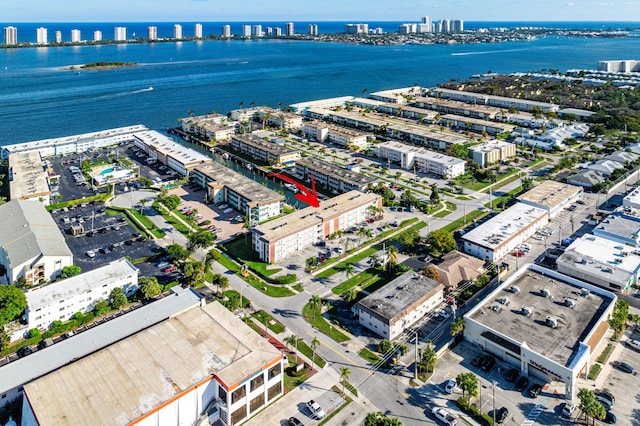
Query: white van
x=635, y=344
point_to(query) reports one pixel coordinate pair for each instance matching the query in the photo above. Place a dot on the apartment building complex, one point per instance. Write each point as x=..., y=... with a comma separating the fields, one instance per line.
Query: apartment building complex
x=275, y=240
x=210, y=127
x=168, y=152
x=492, y=100
x=338, y=135
x=492, y=152
x=265, y=151
x=334, y=178
x=425, y=161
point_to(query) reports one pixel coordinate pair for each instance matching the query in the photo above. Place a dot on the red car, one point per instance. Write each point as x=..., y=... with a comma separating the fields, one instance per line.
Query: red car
x=517, y=253
x=170, y=269
x=369, y=220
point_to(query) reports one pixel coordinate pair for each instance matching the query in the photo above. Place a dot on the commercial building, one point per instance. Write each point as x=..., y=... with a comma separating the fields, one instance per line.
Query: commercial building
x=120, y=33
x=475, y=125
x=31, y=245
x=552, y=196
x=492, y=100
x=602, y=262
x=152, y=32
x=201, y=364
x=457, y=267
x=41, y=36
x=334, y=178
x=399, y=304
x=338, y=135
x=90, y=339
x=215, y=127
x=265, y=151
x=197, y=30
x=10, y=36
x=498, y=236
x=423, y=160
x=29, y=178
x=623, y=226
x=492, y=152
x=549, y=326
x=76, y=36
x=177, y=31
x=632, y=199
x=277, y=239
x=61, y=300
x=76, y=143
x=166, y=151
x=245, y=195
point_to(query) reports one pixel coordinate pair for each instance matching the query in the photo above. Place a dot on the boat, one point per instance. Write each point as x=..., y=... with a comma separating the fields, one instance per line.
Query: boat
x=291, y=187
x=150, y=88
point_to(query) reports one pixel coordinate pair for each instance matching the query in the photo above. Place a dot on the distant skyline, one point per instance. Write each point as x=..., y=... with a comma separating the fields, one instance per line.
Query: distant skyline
x=319, y=10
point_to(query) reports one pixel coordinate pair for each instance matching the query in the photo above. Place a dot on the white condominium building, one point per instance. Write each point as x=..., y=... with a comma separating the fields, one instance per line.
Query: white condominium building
x=152, y=33
x=197, y=30
x=425, y=161
x=41, y=35
x=246, y=31
x=10, y=36
x=58, y=36
x=313, y=29
x=177, y=31
x=120, y=33
x=290, y=29
x=226, y=31
x=97, y=35
x=75, y=36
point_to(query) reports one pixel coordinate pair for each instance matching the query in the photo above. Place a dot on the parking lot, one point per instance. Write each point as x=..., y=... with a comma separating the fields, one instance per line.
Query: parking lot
x=625, y=387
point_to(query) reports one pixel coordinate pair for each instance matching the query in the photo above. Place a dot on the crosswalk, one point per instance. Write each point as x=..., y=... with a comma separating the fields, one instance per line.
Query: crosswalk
x=534, y=414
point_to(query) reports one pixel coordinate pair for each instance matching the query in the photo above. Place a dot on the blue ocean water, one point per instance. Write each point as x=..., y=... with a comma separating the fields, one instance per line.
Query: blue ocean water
x=40, y=99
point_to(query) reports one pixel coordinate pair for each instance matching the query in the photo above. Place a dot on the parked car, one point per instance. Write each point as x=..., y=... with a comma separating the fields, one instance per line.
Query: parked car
x=606, y=394
x=450, y=386
x=623, y=366
x=522, y=383
x=535, y=390
x=477, y=360
x=162, y=264
x=610, y=418
x=607, y=404
x=511, y=375
x=502, y=414
x=488, y=363
x=91, y=253
x=24, y=351
x=444, y=416
x=294, y=422
x=568, y=409
x=316, y=411
x=517, y=253
x=169, y=269
x=45, y=343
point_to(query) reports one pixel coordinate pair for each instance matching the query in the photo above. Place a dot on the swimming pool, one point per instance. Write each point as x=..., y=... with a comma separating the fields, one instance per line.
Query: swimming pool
x=106, y=171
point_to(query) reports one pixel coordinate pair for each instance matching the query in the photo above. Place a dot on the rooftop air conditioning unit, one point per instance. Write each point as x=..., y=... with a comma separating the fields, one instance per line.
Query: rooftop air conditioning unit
x=514, y=289
x=551, y=322
x=584, y=292
x=545, y=292
x=569, y=302
x=526, y=311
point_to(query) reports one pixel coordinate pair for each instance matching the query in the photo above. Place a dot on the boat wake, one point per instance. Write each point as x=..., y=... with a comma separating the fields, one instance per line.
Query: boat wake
x=148, y=89
x=485, y=52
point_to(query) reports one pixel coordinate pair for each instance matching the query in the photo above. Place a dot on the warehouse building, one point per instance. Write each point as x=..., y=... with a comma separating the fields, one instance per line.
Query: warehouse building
x=549, y=326
x=552, y=196
x=498, y=236
x=277, y=239
x=223, y=185
x=399, y=304
x=203, y=364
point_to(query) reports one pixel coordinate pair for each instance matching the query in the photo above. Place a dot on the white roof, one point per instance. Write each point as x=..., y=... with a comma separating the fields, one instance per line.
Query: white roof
x=490, y=146
x=167, y=146
x=420, y=152
x=44, y=296
x=495, y=231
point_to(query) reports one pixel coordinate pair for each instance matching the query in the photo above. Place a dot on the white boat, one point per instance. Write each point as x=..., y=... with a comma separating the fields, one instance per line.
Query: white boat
x=291, y=187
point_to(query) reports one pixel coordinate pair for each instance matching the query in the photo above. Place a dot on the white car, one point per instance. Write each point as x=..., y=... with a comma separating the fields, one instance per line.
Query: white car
x=91, y=253
x=450, y=387
x=316, y=411
x=568, y=409
x=444, y=416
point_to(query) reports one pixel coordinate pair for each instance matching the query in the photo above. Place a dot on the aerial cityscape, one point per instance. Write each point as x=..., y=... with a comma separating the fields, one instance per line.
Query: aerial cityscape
x=361, y=214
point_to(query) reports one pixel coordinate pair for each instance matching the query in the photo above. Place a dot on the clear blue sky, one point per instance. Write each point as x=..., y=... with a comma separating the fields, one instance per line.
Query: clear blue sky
x=316, y=10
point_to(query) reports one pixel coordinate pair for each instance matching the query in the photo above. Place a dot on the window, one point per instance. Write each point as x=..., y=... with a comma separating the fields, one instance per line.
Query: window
x=256, y=383
x=274, y=391
x=238, y=394
x=239, y=414
x=256, y=403
x=274, y=371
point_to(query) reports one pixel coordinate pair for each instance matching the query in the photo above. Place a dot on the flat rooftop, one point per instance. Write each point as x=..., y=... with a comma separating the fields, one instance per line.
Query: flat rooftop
x=102, y=134
x=168, y=147
x=544, y=105
x=335, y=129
x=490, y=146
x=29, y=176
x=44, y=296
x=44, y=361
x=135, y=376
x=603, y=258
x=550, y=194
x=322, y=103
x=397, y=297
x=502, y=227
x=247, y=188
x=633, y=197
x=504, y=127
x=335, y=172
x=458, y=105
x=574, y=324
x=624, y=227
x=434, y=156
x=264, y=145
x=302, y=219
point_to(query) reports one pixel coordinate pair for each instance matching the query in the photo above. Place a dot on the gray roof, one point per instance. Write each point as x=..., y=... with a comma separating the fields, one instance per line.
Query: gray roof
x=27, y=230
x=400, y=295
x=586, y=178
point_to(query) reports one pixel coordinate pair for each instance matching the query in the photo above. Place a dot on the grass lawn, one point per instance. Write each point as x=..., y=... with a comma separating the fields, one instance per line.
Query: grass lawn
x=457, y=224
x=356, y=280
x=506, y=197
x=594, y=371
x=505, y=181
x=298, y=288
x=245, y=301
x=605, y=354
x=292, y=379
x=242, y=251
x=179, y=226
x=371, y=357
x=304, y=349
x=273, y=324
x=318, y=321
x=443, y=213
x=158, y=233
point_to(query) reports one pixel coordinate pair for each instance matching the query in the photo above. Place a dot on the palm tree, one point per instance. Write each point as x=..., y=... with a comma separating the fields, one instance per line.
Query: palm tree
x=468, y=383
x=240, y=104
x=190, y=113
x=457, y=326
x=350, y=295
x=293, y=341
x=428, y=359
x=392, y=256
x=316, y=304
x=143, y=202
x=314, y=344
x=348, y=270
x=374, y=260
x=344, y=376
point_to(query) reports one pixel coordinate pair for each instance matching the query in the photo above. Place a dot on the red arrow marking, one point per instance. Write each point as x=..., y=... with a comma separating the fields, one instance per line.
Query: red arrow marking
x=305, y=195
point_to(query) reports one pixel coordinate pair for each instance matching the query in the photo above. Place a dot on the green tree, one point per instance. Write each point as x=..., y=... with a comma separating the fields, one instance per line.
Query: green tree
x=457, y=326
x=350, y=295
x=431, y=272
x=12, y=303
x=384, y=346
x=149, y=287
x=468, y=383
x=209, y=258
x=316, y=304
x=118, y=298
x=176, y=252
x=200, y=239
x=410, y=238
x=5, y=339
x=101, y=307
x=379, y=419
x=428, y=360
x=193, y=272
x=344, y=376
x=434, y=198
x=171, y=201
x=70, y=271
x=458, y=150
x=143, y=202
x=21, y=282
x=590, y=406
x=293, y=341
x=392, y=256
x=527, y=183
x=442, y=241
x=314, y=345
x=374, y=260
x=34, y=333
x=348, y=269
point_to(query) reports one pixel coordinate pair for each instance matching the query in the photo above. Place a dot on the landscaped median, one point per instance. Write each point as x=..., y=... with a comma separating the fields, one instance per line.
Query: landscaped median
x=140, y=222
x=313, y=317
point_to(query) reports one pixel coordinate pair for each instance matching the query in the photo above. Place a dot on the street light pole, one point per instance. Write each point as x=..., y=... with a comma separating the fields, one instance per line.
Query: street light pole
x=493, y=397
x=415, y=376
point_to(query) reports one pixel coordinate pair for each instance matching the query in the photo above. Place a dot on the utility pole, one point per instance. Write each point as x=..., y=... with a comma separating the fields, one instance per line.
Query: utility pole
x=464, y=203
x=415, y=375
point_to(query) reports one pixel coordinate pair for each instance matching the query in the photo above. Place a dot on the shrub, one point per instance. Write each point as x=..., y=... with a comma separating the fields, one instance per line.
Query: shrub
x=34, y=333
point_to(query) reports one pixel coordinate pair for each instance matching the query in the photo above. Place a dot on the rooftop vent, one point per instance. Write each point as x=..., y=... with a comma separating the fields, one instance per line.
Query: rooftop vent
x=514, y=289
x=584, y=292
x=569, y=302
x=526, y=311
x=551, y=322
x=545, y=292
x=503, y=300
